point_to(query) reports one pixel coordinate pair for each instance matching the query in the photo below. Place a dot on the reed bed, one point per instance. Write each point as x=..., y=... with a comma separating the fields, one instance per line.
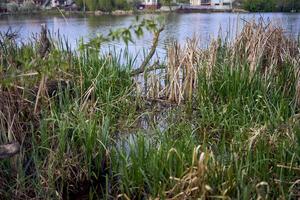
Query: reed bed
x=220, y=122
x=264, y=47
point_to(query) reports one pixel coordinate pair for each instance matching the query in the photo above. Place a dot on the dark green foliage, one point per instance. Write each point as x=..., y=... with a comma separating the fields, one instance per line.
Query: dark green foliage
x=121, y=4
x=271, y=5
x=80, y=3
x=103, y=5
x=92, y=5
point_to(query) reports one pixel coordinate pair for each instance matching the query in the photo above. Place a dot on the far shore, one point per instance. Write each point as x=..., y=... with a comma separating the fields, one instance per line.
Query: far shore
x=115, y=13
x=55, y=12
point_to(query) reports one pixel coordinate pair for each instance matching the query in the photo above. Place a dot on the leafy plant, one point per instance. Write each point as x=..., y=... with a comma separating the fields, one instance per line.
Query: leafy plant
x=12, y=7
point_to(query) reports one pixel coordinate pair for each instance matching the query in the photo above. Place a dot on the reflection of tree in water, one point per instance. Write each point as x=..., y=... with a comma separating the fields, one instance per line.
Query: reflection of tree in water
x=102, y=24
x=182, y=26
x=106, y=20
x=205, y=1
x=171, y=32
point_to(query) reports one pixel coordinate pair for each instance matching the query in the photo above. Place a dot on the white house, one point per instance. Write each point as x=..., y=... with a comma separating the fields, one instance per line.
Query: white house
x=57, y=3
x=221, y=2
x=213, y=3
x=54, y=3
x=151, y=2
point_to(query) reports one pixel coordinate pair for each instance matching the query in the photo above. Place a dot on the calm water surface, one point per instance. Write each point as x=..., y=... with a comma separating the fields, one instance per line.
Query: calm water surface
x=178, y=26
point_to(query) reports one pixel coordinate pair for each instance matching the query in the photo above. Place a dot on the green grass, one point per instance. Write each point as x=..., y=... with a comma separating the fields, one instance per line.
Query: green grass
x=85, y=140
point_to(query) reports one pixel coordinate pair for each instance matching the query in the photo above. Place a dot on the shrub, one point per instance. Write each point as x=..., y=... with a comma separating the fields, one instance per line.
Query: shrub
x=121, y=4
x=91, y=5
x=12, y=7
x=28, y=6
x=106, y=5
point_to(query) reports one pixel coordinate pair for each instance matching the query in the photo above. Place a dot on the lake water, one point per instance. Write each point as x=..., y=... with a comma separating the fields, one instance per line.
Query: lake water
x=178, y=26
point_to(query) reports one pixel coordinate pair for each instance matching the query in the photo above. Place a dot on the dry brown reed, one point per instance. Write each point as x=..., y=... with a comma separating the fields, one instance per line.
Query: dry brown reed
x=182, y=70
x=193, y=183
x=178, y=80
x=13, y=115
x=263, y=47
x=266, y=48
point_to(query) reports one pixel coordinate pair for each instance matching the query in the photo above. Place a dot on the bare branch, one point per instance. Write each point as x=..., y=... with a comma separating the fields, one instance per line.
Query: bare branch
x=153, y=67
x=142, y=68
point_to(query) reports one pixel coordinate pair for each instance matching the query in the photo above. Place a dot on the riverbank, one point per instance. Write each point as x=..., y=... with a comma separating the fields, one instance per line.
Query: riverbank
x=120, y=12
x=123, y=13
x=54, y=12
x=221, y=121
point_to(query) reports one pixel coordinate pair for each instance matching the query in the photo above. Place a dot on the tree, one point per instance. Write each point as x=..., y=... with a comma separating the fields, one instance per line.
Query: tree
x=79, y=3
x=106, y=5
x=92, y=5
x=271, y=5
x=121, y=4
x=168, y=3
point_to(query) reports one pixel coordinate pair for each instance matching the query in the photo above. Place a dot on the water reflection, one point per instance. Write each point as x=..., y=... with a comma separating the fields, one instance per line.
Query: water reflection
x=178, y=26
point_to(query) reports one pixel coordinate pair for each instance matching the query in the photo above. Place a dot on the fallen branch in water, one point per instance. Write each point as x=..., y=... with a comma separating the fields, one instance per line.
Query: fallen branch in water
x=9, y=150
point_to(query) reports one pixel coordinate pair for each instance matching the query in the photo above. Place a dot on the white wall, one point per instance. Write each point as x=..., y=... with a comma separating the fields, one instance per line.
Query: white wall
x=220, y=2
x=195, y=2
x=150, y=2
x=54, y=3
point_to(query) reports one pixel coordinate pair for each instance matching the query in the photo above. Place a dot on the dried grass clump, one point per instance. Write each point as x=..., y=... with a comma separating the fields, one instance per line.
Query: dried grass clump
x=264, y=45
x=15, y=125
x=178, y=80
x=155, y=87
x=15, y=113
x=182, y=70
x=173, y=71
x=211, y=56
x=193, y=183
x=298, y=89
x=265, y=48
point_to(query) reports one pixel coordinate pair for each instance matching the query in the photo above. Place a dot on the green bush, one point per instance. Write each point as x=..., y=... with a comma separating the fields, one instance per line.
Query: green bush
x=12, y=7
x=91, y=5
x=121, y=4
x=28, y=6
x=271, y=5
x=79, y=3
x=106, y=5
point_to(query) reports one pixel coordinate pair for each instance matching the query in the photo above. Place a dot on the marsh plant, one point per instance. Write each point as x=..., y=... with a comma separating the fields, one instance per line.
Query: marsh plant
x=219, y=122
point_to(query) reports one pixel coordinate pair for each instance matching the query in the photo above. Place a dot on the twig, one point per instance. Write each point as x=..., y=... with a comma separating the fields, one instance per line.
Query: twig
x=40, y=91
x=288, y=167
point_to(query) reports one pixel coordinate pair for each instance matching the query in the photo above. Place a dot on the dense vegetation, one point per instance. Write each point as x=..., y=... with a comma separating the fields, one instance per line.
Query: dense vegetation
x=220, y=122
x=271, y=5
x=250, y=5
x=105, y=5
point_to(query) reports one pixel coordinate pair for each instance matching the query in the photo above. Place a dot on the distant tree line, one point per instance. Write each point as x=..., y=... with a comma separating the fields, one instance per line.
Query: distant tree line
x=105, y=5
x=250, y=5
x=271, y=5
